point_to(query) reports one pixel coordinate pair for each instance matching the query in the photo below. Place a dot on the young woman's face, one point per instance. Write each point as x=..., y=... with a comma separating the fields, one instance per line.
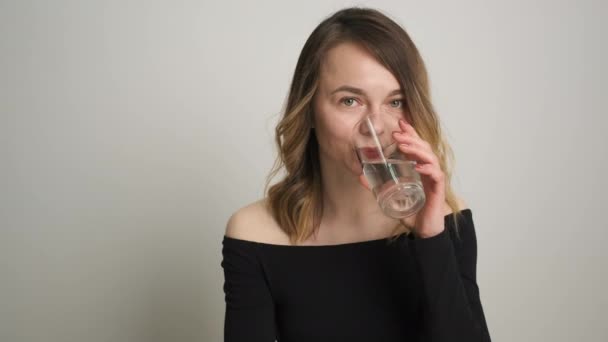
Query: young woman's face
x=353, y=84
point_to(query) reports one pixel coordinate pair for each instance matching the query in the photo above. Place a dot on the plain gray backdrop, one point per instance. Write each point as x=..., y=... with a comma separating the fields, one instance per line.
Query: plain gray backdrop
x=130, y=131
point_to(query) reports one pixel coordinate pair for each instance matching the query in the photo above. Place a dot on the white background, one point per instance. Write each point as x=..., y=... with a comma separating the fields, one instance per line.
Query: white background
x=130, y=131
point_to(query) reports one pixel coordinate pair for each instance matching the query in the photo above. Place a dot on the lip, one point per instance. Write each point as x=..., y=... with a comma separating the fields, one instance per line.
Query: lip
x=370, y=152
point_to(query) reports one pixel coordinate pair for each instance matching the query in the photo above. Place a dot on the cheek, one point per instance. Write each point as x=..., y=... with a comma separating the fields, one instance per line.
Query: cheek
x=333, y=136
x=332, y=128
x=334, y=139
x=334, y=131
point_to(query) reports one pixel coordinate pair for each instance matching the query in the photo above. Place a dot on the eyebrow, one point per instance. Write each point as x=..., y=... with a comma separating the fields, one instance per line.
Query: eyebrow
x=359, y=91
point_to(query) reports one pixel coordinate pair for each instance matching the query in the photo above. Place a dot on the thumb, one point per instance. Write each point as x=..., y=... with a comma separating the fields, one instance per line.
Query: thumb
x=364, y=182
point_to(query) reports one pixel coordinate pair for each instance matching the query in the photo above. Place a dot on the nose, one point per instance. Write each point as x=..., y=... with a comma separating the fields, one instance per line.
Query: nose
x=372, y=123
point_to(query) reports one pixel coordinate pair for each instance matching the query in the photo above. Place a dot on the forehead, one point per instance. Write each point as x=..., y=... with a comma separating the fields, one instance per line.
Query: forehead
x=350, y=63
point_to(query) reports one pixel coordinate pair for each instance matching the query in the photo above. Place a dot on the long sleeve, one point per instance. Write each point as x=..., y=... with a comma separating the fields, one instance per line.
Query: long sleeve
x=249, y=314
x=447, y=263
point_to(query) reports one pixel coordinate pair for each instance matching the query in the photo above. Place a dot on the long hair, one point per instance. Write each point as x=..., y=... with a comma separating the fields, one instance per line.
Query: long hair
x=295, y=202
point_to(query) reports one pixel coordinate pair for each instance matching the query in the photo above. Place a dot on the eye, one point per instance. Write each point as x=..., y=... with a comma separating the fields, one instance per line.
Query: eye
x=348, y=101
x=399, y=103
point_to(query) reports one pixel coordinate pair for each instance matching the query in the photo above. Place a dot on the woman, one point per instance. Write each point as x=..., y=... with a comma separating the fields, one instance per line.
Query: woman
x=316, y=259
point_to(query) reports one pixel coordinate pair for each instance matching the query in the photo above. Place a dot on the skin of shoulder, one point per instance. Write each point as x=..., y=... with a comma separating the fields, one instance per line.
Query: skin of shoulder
x=253, y=222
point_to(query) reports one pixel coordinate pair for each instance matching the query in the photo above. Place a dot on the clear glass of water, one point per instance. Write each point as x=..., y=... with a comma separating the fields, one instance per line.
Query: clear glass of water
x=392, y=177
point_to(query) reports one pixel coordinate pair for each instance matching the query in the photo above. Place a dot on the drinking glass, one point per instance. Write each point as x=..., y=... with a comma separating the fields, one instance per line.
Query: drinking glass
x=391, y=176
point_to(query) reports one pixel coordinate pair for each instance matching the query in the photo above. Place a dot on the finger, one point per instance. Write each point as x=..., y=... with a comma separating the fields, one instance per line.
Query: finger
x=418, y=153
x=432, y=171
x=409, y=139
x=408, y=128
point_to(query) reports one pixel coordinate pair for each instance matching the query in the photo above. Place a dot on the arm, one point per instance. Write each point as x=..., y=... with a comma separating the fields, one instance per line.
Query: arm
x=447, y=264
x=249, y=314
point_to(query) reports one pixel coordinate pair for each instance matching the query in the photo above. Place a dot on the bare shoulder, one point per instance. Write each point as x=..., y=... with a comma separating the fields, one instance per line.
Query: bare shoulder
x=254, y=222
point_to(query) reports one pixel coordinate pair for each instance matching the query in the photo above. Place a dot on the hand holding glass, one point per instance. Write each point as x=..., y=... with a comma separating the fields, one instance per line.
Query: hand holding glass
x=392, y=177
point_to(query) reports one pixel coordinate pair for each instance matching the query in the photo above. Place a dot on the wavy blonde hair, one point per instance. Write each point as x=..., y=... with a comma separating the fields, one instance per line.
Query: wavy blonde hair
x=295, y=202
